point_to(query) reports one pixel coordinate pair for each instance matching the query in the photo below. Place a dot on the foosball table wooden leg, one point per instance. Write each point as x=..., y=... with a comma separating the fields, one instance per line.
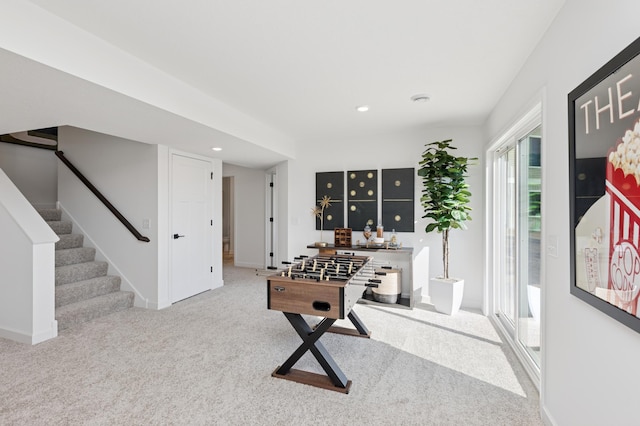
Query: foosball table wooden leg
x=360, y=331
x=335, y=378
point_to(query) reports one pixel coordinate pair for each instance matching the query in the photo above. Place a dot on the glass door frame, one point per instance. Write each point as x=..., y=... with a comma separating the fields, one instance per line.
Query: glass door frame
x=509, y=140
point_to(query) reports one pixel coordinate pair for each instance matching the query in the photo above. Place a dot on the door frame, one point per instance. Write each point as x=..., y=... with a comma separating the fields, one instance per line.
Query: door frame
x=271, y=227
x=533, y=117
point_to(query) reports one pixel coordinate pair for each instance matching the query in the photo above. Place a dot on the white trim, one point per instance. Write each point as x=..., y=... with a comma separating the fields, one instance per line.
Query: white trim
x=30, y=339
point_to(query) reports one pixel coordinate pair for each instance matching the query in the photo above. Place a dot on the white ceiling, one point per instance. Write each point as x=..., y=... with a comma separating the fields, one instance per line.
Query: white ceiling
x=302, y=67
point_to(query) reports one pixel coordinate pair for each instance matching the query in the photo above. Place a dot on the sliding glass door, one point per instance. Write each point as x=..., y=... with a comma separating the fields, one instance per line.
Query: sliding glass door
x=517, y=217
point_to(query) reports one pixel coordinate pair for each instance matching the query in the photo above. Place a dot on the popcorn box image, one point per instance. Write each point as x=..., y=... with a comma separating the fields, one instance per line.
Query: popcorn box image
x=623, y=187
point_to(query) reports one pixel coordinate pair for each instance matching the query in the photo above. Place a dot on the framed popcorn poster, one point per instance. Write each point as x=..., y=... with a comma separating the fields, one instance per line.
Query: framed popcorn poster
x=604, y=172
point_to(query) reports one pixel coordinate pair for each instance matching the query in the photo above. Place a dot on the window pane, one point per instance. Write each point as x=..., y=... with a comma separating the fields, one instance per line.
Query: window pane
x=529, y=248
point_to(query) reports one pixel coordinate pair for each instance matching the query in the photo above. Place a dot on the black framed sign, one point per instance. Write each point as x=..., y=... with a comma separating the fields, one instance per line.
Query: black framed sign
x=604, y=183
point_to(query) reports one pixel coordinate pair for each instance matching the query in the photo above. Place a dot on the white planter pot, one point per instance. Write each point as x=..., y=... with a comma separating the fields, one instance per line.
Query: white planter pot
x=446, y=295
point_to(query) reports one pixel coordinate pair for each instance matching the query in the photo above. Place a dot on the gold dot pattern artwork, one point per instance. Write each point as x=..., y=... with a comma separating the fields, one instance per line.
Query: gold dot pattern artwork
x=362, y=187
x=398, y=198
x=330, y=184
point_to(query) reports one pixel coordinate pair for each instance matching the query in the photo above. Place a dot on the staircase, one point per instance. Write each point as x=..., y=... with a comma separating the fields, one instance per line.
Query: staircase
x=84, y=291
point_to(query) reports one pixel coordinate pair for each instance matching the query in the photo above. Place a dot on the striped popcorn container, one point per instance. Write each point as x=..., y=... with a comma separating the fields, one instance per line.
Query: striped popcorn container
x=624, y=240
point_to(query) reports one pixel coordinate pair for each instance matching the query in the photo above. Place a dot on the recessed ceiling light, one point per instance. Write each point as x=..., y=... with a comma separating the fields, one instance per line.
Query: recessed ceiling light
x=216, y=148
x=420, y=98
x=362, y=108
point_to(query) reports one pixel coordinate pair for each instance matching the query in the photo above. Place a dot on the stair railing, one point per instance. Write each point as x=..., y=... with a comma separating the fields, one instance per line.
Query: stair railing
x=102, y=198
x=12, y=140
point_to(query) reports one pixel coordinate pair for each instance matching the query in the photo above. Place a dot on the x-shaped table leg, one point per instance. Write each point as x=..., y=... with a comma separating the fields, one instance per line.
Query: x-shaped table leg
x=311, y=343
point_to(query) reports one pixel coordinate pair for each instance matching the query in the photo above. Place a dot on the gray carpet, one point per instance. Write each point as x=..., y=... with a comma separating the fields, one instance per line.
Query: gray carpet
x=208, y=361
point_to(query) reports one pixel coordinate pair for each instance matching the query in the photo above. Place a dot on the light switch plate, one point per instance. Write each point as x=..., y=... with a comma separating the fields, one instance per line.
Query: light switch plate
x=552, y=245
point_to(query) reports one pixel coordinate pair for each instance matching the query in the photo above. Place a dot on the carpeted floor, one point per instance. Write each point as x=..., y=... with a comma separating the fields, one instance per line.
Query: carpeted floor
x=208, y=361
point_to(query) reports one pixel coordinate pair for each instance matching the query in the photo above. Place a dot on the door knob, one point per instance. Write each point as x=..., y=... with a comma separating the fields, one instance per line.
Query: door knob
x=176, y=236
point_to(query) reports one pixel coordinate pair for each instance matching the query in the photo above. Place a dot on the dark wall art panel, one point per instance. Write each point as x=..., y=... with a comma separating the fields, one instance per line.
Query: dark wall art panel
x=362, y=196
x=331, y=184
x=398, y=186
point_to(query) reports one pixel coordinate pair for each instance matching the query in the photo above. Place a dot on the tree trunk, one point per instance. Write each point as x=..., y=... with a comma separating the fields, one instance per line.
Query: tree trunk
x=445, y=253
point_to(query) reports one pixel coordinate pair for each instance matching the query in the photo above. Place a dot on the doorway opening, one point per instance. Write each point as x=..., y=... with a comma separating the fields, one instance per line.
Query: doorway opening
x=227, y=220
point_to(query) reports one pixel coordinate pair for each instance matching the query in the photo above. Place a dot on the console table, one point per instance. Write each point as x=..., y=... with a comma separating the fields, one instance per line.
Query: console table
x=400, y=256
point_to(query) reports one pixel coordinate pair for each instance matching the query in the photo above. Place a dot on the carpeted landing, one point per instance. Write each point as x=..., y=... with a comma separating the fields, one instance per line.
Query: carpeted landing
x=208, y=361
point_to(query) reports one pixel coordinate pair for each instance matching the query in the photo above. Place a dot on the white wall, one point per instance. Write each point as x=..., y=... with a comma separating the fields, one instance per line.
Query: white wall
x=27, y=264
x=126, y=173
x=33, y=171
x=400, y=150
x=590, y=367
x=249, y=215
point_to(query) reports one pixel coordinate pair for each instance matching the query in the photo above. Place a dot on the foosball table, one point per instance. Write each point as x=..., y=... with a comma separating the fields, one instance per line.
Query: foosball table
x=328, y=286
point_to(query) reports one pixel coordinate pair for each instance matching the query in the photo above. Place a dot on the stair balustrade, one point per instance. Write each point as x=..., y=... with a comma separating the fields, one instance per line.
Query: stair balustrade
x=102, y=198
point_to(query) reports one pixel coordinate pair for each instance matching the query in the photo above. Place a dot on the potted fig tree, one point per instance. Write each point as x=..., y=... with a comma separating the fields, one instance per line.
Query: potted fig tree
x=445, y=200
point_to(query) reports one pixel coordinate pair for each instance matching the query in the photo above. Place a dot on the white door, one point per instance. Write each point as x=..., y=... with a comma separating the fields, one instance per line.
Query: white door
x=191, y=227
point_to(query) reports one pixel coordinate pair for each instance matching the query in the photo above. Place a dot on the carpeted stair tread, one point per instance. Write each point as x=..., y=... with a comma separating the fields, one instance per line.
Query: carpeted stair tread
x=60, y=226
x=87, y=289
x=68, y=241
x=80, y=272
x=86, y=310
x=50, y=214
x=75, y=255
x=84, y=291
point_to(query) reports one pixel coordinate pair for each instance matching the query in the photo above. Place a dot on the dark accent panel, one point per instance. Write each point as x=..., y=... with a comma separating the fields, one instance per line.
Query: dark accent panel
x=590, y=176
x=333, y=216
x=361, y=214
x=362, y=196
x=332, y=185
x=397, y=215
x=398, y=199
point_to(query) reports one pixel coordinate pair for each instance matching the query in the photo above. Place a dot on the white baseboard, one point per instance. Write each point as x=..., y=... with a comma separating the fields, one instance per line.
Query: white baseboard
x=47, y=334
x=248, y=265
x=20, y=337
x=546, y=417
